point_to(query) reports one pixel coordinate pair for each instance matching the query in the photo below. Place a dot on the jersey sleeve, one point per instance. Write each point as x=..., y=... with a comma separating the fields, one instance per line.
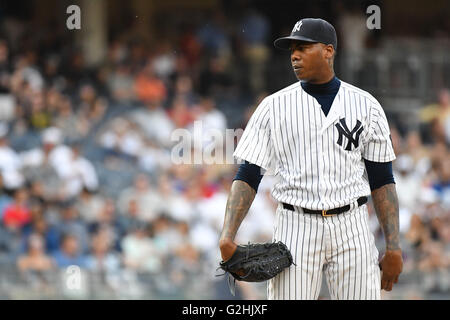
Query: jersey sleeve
x=256, y=145
x=378, y=146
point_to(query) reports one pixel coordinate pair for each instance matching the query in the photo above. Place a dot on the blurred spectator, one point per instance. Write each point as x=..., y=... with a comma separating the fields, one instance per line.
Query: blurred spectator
x=11, y=237
x=434, y=117
x=30, y=73
x=210, y=116
x=94, y=113
x=47, y=232
x=180, y=113
x=442, y=183
x=166, y=192
x=435, y=264
x=418, y=152
x=186, y=261
x=7, y=100
x=38, y=199
x=36, y=266
x=181, y=175
x=184, y=206
x=118, y=52
x=69, y=254
x=121, y=139
x=417, y=235
x=255, y=32
x=17, y=213
x=87, y=94
x=54, y=98
x=208, y=207
x=408, y=185
x=154, y=123
x=129, y=219
x=169, y=235
x=5, y=199
x=353, y=32
x=182, y=237
x=153, y=159
x=4, y=60
x=108, y=224
x=437, y=228
x=10, y=164
x=149, y=88
x=77, y=173
x=212, y=34
x=51, y=70
x=215, y=79
x=52, y=151
x=102, y=258
x=41, y=165
x=39, y=116
x=89, y=205
x=35, y=259
x=164, y=60
x=183, y=90
x=189, y=44
x=147, y=199
x=210, y=123
x=121, y=84
x=75, y=69
x=438, y=152
x=71, y=224
x=139, y=251
x=397, y=140
x=11, y=244
x=74, y=126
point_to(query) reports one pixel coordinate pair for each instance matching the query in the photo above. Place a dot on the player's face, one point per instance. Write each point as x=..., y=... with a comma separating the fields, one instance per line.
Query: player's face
x=309, y=61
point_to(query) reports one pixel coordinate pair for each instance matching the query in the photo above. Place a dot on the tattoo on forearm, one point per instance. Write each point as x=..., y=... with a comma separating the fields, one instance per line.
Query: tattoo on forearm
x=386, y=206
x=239, y=201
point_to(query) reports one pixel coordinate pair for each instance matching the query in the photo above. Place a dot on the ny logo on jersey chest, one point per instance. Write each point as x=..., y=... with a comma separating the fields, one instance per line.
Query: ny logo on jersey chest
x=352, y=136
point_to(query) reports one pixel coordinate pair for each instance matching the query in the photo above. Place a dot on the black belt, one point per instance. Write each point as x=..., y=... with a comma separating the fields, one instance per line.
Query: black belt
x=326, y=213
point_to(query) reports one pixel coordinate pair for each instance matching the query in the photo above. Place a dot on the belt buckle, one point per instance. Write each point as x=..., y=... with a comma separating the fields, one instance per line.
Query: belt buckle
x=324, y=213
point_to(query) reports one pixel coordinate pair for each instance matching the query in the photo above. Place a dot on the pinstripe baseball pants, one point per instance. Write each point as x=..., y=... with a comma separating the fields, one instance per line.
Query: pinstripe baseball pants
x=340, y=246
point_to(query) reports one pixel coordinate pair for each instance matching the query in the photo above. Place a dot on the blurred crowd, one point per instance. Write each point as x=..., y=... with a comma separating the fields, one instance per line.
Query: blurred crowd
x=422, y=176
x=87, y=177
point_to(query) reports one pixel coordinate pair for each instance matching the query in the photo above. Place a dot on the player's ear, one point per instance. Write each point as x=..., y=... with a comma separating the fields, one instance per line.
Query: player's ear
x=328, y=51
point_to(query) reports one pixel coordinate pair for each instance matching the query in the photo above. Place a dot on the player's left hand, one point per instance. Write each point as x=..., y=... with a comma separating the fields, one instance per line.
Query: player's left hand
x=391, y=266
x=227, y=248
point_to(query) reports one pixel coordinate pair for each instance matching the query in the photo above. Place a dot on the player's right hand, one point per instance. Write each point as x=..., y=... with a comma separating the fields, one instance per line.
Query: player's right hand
x=391, y=266
x=227, y=248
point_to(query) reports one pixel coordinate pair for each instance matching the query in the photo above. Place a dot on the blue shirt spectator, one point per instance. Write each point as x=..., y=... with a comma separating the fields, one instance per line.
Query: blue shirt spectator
x=69, y=254
x=49, y=233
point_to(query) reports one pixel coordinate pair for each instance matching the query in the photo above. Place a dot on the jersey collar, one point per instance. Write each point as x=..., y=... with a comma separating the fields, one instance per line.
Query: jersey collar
x=335, y=111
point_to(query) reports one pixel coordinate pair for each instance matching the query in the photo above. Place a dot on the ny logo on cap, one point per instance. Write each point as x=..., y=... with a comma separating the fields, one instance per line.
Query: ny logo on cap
x=344, y=131
x=297, y=26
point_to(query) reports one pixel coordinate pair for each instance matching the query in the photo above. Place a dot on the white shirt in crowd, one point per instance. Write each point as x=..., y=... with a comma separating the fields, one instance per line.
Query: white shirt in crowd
x=156, y=125
x=78, y=173
x=10, y=166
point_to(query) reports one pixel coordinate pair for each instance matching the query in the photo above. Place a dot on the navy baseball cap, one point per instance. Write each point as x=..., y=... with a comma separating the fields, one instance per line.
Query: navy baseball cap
x=309, y=30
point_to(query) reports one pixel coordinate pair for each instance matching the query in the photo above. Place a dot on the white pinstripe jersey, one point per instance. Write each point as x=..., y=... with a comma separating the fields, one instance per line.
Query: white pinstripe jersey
x=319, y=158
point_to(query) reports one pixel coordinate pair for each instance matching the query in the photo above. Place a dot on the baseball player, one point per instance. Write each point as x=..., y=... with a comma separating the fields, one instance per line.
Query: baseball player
x=329, y=143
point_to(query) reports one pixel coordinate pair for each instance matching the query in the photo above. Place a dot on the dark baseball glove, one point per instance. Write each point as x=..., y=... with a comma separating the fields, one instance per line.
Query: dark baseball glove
x=258, y=262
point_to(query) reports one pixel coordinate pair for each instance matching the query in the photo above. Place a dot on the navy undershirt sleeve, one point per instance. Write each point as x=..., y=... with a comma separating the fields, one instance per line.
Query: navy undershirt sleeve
x=379, y=173
x=250, y=173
